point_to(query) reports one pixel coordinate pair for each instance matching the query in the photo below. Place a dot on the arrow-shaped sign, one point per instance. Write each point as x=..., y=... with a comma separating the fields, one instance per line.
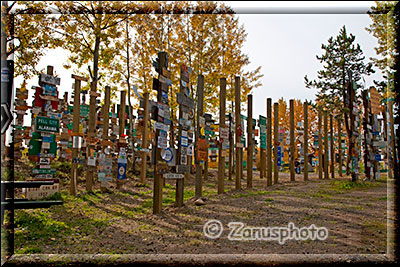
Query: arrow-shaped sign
x=6, y=118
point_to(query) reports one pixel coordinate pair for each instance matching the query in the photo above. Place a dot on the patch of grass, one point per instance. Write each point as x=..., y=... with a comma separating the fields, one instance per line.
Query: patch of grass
x=268, y=200
x=239, y=195
x=347, y=185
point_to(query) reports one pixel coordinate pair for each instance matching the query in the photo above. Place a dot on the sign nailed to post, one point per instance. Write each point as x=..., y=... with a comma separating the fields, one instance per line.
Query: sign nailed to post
x=45, y=124
x=375, y=99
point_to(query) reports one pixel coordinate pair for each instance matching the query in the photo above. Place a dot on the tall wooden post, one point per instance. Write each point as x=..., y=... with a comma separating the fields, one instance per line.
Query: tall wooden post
x=250, y=146
x=221, y=154
x=122, y=115
x=75, y=130
x=145, y=138
x=305, y=141
x=276, y=141
x=386, y=138
x=269, y=142
x=332, y=148
x=231, y=144
x=200, y=113
x=339, y=123
x=292, y=148
x=326, y=152
x=320, y=152
x=237, y=136
x=158, y=178
x=392, y=140
x=106, y=118
x=91, y=170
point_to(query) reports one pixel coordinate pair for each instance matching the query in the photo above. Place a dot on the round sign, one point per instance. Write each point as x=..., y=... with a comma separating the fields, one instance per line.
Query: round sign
x=121, y=170
x=166, y=154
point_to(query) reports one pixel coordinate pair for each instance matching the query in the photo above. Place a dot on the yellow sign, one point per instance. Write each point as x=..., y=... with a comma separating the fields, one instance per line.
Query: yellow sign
x=202, y=131
x=375, y=100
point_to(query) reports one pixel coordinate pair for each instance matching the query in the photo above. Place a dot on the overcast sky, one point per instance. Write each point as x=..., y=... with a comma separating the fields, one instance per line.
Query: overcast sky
x=284, y=45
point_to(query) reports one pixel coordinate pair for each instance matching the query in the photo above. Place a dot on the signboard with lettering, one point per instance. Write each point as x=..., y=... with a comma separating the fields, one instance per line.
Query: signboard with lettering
x=45, y=124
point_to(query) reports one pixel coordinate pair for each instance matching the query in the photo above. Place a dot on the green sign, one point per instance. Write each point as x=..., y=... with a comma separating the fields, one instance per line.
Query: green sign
x=45, y=124
x=83, y=112
x=262, y=120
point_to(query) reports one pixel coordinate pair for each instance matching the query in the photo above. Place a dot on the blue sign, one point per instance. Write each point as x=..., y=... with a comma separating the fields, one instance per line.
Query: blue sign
x=48, y=139
x=121, y=171
x=378, y=157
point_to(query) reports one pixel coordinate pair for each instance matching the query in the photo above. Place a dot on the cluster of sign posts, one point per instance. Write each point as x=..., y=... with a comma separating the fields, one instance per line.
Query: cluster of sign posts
x=82, y=134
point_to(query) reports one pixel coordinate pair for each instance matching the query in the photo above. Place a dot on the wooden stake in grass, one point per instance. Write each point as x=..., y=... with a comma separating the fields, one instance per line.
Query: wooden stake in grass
x=238, y=133
x=276, y=141
x=269, y=142
x=292, y=148
x=221, y=154
x=75, y=130
x=145, y=138
x=305, y=141
x=250, y=147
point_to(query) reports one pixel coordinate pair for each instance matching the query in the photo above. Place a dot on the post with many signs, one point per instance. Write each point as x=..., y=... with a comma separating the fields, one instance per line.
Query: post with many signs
x=332, y=147
x=238, y=133
x=305, y=141
x=75, y=131
x=292, y=148
x=185, y=133
x=122, y=162
x=223, y=136
x=326, y=151
x=105, y=136
x=269, y=142
x=320, y=152
x=367, y=140
x=145, y=138
x=250, y=146
x=159, y=139
x=200, y=142
x=276, y=142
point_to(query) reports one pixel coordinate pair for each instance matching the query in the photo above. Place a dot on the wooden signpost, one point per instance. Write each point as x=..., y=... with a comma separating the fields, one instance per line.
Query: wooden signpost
x=332, y=147
x=185, y=134
x=320, y=147
x=269, y=142
x=292, y=148
x=43, y=144
x=145, y=137
x=339, y=123
x=250, y=145
x=262, y=121
x=305, y=141
x=238, y=134
x=201, y=144
x=326, y=150
x=162, y=127
x=75, y=132
x=276, y=142
x=223, y=136
x=105, y=136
